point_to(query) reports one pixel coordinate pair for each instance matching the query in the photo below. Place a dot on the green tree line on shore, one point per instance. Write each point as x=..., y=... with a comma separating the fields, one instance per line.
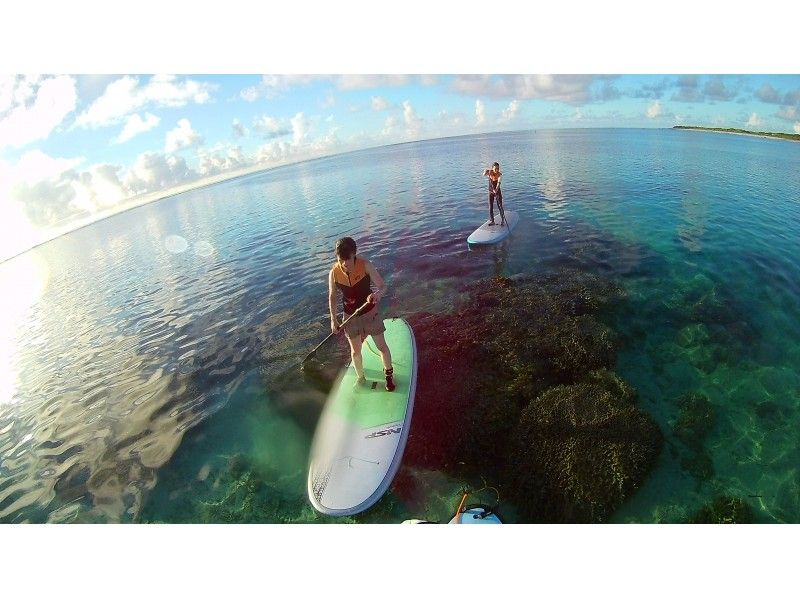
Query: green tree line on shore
x=792, y=136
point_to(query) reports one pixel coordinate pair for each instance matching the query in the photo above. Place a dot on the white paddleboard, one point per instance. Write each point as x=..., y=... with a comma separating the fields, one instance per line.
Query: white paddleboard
x=361, y=435
x=486, y=235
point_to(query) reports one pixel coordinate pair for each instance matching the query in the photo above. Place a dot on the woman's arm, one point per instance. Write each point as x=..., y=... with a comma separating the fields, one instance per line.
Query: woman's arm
x=332, y=302
x=379, y=283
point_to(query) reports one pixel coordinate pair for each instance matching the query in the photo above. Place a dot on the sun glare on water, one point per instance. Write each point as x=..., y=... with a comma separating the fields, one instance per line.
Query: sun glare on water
x=24, y=280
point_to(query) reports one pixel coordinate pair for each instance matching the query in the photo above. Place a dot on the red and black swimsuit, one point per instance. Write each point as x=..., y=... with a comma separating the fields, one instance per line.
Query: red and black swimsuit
x=355, y=287
x=494, y=190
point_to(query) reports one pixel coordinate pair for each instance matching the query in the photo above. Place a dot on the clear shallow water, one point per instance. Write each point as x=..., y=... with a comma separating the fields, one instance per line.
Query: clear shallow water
x=137, y=353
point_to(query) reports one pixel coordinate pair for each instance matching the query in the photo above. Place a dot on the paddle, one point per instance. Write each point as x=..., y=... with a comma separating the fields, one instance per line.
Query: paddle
x=466, y=492
x=500, y=206
x=502, y=213
x=354, y=314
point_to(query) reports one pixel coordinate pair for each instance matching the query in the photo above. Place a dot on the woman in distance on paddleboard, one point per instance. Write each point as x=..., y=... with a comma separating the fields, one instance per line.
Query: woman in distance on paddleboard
x=495, y=194
x=352, y=276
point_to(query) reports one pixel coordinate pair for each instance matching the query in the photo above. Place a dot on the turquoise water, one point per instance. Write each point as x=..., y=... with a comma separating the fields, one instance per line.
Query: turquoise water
x=141, y=354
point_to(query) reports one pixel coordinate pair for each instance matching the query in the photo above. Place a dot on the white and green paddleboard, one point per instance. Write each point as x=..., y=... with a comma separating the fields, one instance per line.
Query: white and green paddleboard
x=361, y=435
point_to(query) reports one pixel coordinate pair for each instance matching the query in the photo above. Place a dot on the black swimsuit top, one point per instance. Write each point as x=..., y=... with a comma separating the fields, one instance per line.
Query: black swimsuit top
x=355, y=287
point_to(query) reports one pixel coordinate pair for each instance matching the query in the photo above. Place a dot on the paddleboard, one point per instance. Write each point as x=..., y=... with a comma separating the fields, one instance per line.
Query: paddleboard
x=361, y=435
x=487, y=235
x=472, y=514
x=476, y=514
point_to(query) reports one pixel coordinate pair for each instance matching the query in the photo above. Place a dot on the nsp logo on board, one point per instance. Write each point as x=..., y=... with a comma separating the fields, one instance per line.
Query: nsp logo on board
x=385, y=432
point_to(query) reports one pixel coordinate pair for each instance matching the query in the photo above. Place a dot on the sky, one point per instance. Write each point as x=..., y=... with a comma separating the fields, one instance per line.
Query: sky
x=73, y=147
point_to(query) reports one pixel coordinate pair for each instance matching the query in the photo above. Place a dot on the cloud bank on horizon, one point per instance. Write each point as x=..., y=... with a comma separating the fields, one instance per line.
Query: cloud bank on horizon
x=72, y=147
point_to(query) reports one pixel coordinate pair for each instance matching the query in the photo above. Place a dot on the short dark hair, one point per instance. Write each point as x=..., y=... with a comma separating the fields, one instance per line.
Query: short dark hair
x=496, y=164
x=345, y=248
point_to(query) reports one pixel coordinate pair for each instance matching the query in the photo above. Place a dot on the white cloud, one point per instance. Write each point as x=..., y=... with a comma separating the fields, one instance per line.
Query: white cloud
x=797, y=128
x=182, y=136
x=284, y=82
x=222, y=159
x=272, y=127
x=238, y=128
x=350, y=82
x=480, y=113
x=510, y=113
x=571, y=89
x=389, y=126
x=36, y=166
x=754, y=121
x=271, y=86
x=136, y=125
x=378, y=103
x=277, y=151
x=96, y=189
x=17, y=233
x=329, y=100
x=51, y=191
x=126, y=95
x=327, y=144
x=654, y=109
x=41, y=191
x=412, y=120
x=249, y=94
x=300, y=128
x=302, y=146
x=153, y=171
x=448, y=123
x=25, y=88
x=269, y=124
x=446, y=116
x=120, y=98
x=30, y=107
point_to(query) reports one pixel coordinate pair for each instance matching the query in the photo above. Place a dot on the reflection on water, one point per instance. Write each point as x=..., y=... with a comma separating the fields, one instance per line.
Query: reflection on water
x=24, y=279
x=138, y=354
x=690, y=231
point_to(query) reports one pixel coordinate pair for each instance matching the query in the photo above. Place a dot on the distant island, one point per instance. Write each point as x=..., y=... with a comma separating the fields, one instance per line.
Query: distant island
x=789, y=136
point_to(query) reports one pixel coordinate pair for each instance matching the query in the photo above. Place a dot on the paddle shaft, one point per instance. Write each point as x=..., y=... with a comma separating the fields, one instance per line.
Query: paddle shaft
x=500, y=204
x=354, y=314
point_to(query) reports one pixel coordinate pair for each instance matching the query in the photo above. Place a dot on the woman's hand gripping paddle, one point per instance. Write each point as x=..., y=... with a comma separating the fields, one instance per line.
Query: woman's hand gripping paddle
x=358, y=312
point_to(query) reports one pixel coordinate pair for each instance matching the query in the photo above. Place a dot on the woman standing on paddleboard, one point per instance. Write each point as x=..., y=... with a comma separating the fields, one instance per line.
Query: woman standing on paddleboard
x=352, y=275
x=495, y=194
